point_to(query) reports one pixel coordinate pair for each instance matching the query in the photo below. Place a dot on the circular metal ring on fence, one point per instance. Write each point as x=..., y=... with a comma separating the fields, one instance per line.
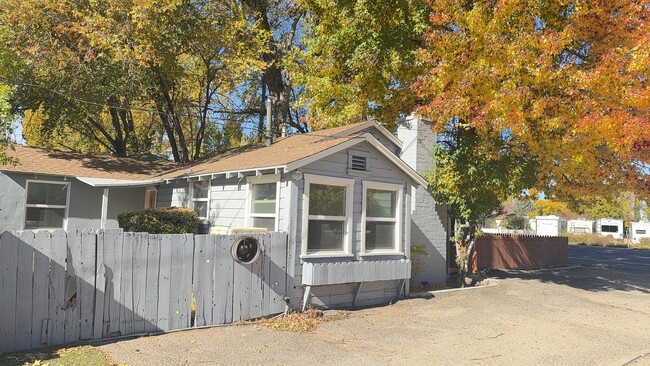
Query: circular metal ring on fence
x=245, y=249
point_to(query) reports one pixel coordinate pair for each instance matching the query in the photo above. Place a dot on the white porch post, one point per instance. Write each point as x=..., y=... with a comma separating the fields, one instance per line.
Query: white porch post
x=104, y=208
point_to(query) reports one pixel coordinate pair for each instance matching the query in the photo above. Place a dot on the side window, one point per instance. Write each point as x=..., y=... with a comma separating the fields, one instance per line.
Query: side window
x=200, y=198
x=381, y=217
x=46, y=205
x=327, y=222
x=263, y=205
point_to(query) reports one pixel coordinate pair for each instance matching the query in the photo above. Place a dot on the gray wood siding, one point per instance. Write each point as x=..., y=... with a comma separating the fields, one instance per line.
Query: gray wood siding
x=85, y=203
x=336, y=165
x=228, y=198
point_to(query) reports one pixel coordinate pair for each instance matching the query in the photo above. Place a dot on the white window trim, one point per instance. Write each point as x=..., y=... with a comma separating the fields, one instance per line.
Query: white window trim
x=398, y=219
x=263, y=179
x=67, y=203
x=349, y=200
x=191, y=198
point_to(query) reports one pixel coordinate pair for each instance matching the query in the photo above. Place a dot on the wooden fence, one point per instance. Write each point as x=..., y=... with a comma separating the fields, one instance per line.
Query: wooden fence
x=520, y=251
x=63, y=287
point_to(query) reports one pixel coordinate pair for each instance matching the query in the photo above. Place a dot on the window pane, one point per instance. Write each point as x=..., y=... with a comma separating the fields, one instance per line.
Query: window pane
x=46, y=194
x=380, y=235
x=325, y=235
x=265, y=222
x=264, y=198
x=201, y=208
x=326, y=200
x=200, y=189
x=609, y=229
x=380, y=203
x=37, y=218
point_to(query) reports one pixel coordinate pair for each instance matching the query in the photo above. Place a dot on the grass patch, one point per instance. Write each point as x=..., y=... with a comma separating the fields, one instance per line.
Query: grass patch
x=82, y=355
x=606, y=241
x=596, y=240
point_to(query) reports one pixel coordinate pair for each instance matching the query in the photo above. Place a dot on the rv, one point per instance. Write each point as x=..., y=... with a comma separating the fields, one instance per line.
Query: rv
x=639, y=230
x=580, y=226
x=611, y=227
x=550, y=225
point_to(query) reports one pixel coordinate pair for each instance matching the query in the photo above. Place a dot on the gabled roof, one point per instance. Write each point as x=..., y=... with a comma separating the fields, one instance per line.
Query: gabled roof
x=284, y=155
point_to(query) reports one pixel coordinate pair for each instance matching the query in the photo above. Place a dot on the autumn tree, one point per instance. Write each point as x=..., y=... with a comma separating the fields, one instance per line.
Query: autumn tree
x=359, y=60
x=126, y=73
x=473, y=175
x=567, y=79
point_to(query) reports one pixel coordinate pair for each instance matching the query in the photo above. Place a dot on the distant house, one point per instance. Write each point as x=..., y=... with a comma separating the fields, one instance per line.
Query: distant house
x=343, y=195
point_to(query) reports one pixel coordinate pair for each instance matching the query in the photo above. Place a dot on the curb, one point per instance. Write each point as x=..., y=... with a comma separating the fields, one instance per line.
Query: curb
x=417, y=295
x=552, y=269
x=630, y=359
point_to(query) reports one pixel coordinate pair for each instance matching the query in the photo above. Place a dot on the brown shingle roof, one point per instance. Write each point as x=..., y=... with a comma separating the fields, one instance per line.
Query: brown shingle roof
x=282, y=152
x=52, y=162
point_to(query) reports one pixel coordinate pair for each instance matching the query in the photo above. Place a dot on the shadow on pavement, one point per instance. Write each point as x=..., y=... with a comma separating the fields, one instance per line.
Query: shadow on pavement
x=589, y=278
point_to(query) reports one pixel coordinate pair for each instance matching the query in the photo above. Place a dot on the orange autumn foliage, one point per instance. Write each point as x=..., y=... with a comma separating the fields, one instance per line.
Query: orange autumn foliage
x=568, y=79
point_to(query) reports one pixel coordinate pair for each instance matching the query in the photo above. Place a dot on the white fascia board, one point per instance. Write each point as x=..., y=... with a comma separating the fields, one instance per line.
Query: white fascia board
x=380, y=128
x=107, y=182
x=396, y=160
x=312, y=158
x=239, y=173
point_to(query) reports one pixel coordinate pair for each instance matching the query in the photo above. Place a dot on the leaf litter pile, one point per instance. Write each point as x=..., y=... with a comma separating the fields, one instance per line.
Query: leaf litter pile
x=301, y=322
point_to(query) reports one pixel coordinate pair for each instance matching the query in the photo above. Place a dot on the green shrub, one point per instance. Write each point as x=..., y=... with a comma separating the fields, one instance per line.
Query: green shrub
x=168, y=220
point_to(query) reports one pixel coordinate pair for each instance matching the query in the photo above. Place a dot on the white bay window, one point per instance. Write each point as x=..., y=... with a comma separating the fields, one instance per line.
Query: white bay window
x=327, y=216
x=381, y=218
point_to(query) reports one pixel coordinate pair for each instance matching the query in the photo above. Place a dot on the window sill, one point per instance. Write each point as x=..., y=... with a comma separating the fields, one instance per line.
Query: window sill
x=326, y=255
x=377, y=254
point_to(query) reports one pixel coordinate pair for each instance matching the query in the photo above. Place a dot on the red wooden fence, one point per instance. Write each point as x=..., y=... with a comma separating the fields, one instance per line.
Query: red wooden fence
x=520, y=251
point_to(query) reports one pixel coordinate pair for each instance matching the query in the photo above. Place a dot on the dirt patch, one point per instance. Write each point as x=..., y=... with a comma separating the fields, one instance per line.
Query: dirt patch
x=584, y=316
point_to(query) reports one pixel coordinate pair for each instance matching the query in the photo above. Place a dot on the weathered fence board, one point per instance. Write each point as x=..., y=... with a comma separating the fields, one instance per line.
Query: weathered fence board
x=41, y=283
x=164, y=283
x=62, y=287
x=151, y=291
x=24, y=298
x=56, y=313
x=86, y=289
x=72, y=311
x=9, y=270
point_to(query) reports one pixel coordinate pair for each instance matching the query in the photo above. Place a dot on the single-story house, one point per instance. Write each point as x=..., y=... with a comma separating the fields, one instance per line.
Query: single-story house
x=343, y=195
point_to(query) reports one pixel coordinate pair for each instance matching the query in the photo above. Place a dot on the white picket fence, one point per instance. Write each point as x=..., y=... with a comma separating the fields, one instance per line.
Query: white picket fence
x=63, y=287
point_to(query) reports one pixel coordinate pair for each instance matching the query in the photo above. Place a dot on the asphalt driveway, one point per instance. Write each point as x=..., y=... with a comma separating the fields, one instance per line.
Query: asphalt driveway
x=621, y=258
x=589, y=315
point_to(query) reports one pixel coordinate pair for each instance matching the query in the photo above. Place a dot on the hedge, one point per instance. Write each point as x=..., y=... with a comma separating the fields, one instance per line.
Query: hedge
x=168, y=220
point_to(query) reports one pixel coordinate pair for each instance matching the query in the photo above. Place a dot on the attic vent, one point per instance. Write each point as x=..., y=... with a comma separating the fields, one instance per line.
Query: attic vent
x=358, y=163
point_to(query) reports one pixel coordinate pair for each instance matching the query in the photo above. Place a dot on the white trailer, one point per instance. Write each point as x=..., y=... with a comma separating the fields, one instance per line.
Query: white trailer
x=639, y=230
x=611, y=227
x=550, y=225
x=580, y=226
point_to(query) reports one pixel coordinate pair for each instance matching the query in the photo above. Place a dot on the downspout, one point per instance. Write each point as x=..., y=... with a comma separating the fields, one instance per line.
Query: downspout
x=104, y=208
